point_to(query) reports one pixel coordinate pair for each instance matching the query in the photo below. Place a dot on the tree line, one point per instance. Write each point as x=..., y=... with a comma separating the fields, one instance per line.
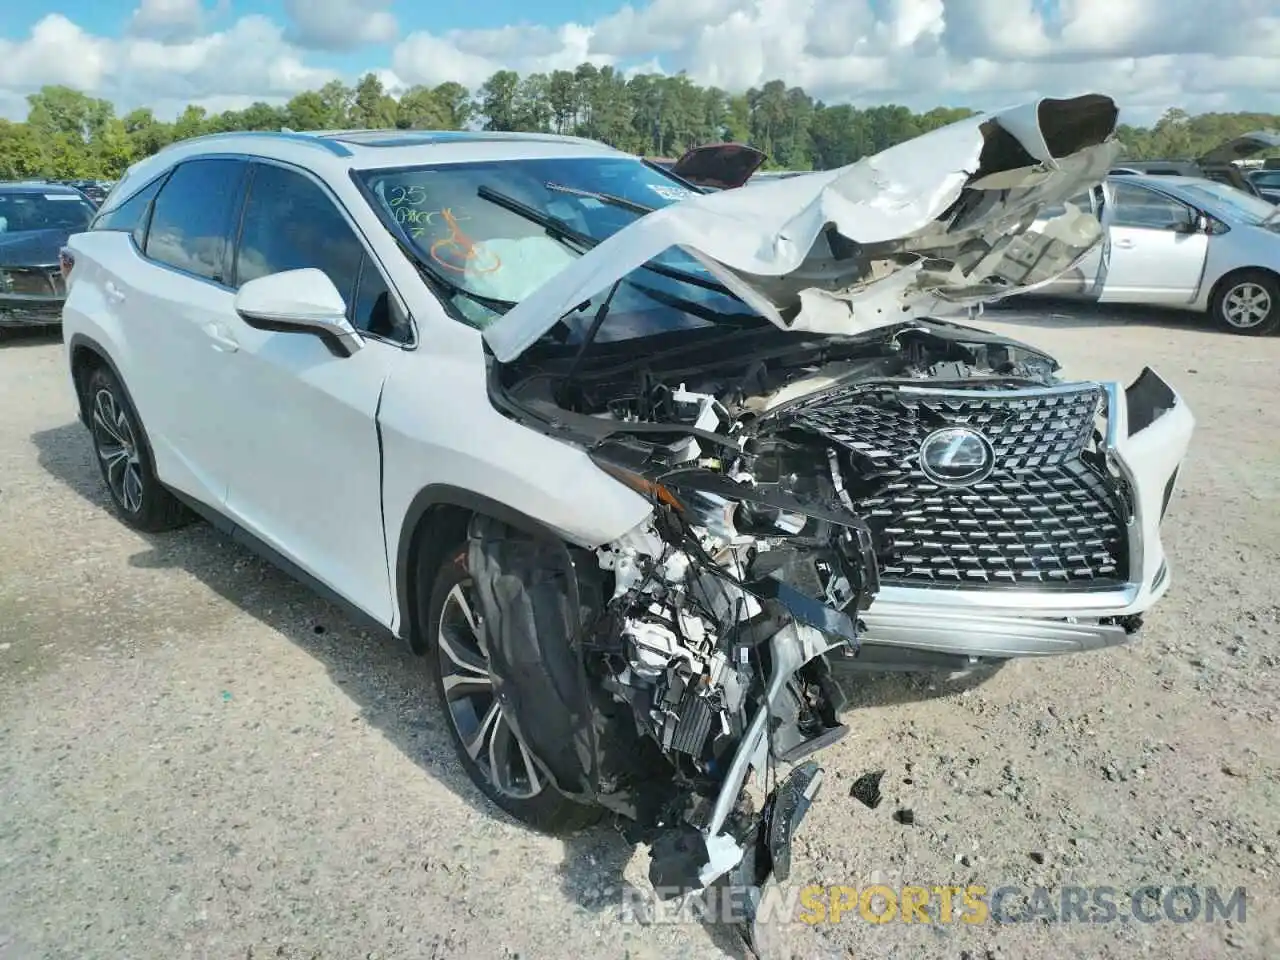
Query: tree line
x=68, y=134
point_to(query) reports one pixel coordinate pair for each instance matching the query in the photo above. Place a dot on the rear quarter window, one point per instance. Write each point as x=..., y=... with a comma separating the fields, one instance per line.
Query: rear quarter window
x=191, y=220
x=131, y=216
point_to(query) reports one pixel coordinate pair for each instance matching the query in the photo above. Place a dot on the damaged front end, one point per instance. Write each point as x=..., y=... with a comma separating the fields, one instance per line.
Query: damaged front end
x=834, y=475
x=698, y=656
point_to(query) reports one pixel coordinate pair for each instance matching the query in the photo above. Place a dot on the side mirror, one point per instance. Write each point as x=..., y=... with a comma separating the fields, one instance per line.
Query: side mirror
x=1202, y=223
x=299, y=301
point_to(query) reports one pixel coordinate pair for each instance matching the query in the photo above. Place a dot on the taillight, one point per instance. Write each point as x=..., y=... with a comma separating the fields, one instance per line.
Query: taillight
x=66, y=260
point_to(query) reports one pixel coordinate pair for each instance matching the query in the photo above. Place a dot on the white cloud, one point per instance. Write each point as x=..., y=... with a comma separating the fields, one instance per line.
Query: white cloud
x=472, y=56
x=1148, y=54
x=250, y=60
x=169, y=19
x=340, y=24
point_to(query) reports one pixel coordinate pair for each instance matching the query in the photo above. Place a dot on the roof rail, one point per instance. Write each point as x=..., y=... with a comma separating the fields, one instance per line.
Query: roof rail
x=310, y=139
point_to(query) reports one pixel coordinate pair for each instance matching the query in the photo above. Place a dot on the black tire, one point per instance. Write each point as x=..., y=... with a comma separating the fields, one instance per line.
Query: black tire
x=124, y=458
x=546, y=810
x=1247, y=303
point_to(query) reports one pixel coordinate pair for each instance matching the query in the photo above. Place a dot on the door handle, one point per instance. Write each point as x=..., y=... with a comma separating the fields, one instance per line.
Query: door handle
x=223, y=341
x=114, y=293
x=1124, y=244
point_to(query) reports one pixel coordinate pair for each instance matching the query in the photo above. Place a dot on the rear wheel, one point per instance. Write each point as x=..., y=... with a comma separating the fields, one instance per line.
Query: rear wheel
x=491, y=752
x=124, y=459
x=1248, y=302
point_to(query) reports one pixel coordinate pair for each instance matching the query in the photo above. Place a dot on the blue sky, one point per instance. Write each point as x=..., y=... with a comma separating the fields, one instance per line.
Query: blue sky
x=110, y=18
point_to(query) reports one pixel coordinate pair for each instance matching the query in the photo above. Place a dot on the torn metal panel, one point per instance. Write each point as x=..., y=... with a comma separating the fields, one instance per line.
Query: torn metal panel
x=873, y=243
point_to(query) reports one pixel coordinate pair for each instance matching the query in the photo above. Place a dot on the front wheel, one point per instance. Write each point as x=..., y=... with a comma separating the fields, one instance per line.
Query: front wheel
x=495, y=758
x=1249, y=303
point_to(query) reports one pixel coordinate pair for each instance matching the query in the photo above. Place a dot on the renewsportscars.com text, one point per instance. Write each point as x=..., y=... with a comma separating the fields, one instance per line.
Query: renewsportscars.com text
x=942, y=904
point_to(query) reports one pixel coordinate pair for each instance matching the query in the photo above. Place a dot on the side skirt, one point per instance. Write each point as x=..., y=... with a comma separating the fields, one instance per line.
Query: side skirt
x=226, y=526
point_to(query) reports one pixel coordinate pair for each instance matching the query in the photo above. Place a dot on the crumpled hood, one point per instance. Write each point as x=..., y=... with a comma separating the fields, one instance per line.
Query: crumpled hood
x=944, y=218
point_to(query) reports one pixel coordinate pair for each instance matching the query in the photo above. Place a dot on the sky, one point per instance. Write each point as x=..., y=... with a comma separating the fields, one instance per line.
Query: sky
x=224, y=54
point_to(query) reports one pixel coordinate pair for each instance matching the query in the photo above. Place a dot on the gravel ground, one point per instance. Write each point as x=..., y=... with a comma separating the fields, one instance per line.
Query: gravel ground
x=199, y=758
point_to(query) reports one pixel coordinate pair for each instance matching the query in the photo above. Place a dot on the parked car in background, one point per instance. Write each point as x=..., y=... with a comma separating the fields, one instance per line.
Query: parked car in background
x=36, y=220
x=1182, y=242
x=95, y=190
x=715, y=166
x=1266, y=183
x=1219, y=164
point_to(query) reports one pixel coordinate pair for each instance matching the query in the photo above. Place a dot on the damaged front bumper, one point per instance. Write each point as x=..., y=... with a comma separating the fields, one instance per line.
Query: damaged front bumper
x=1147, y=433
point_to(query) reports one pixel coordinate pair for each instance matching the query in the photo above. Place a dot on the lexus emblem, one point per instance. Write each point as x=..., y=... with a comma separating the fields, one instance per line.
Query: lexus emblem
x=957, y=457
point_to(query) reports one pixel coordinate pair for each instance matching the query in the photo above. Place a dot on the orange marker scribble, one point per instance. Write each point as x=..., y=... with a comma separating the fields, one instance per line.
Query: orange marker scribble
x=459, y=253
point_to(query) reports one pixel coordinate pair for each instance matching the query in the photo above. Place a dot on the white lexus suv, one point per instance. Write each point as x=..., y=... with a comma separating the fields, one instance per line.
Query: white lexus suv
x=633, y=463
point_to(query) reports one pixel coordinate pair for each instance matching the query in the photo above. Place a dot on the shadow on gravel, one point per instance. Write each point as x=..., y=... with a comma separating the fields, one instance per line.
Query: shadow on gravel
x=16, y=338
x=1062, y=314
x=389, y=684
x=392, y=688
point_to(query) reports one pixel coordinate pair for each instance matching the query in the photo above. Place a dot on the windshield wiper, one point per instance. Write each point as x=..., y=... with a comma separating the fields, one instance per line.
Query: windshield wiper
x=449, y=287
x=559, y=229
x=609, y=198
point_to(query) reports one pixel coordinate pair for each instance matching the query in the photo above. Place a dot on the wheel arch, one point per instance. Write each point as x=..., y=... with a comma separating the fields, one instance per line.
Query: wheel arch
x=85, y=355
x=436, y=520
x=1221, y=283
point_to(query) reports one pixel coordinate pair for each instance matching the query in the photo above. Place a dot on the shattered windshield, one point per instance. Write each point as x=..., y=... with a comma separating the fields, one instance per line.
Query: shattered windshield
x=493, y=232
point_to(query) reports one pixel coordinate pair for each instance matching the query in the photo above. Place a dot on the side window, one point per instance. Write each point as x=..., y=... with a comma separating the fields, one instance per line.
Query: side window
x=130, y=216
x=291, y=223
x=375, y=310
x=1135, y=206
x=191, y=221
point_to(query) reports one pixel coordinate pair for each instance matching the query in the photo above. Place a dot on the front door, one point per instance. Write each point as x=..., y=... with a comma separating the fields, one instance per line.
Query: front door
x=307, y=461
x=1154, y=252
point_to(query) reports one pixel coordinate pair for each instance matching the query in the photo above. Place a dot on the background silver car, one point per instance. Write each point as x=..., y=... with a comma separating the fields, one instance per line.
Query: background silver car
x=1180, y=242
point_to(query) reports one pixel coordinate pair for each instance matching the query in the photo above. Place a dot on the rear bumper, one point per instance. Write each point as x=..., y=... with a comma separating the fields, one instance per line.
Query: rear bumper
x=30, y=312
x=1147, y=433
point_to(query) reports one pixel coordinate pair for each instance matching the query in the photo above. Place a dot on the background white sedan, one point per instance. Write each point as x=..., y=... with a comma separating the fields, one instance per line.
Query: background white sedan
x=1180, y=242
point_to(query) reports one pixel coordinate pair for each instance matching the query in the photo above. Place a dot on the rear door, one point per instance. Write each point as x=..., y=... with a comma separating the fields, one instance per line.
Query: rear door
x=1081, y=280
x=1153, y=251
x=306, y=477
x=172, y=300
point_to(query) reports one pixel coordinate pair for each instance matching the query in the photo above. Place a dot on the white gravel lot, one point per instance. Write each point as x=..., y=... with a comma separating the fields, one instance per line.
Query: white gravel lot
x=198, y=758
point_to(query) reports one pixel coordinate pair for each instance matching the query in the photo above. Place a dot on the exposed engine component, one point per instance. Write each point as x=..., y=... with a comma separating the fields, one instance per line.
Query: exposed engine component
x=787, y=490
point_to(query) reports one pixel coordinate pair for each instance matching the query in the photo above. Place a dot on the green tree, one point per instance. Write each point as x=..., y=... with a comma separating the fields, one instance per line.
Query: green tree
x=371, y=106
x=20, y=153
x=70, y=134
x=421, y=108
x=498, y=100
x=457, y=100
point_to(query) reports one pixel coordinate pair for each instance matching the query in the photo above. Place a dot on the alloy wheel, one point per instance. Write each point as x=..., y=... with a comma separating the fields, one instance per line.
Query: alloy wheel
x=117, y=448
x=1246, y=305
x=472, y=702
